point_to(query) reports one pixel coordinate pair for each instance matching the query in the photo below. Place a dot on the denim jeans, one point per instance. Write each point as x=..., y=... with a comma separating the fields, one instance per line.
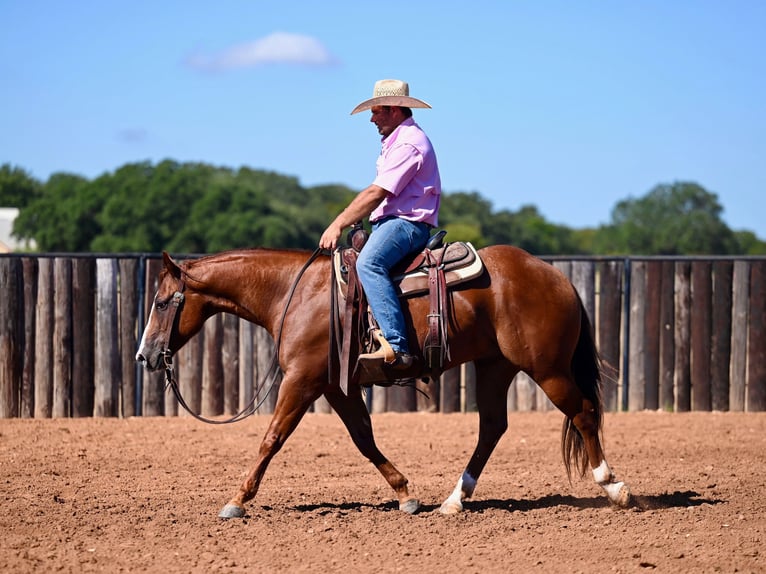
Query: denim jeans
x=391, y=240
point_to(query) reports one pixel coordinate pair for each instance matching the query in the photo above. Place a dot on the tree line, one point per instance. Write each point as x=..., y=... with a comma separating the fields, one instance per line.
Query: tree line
x=200, y=208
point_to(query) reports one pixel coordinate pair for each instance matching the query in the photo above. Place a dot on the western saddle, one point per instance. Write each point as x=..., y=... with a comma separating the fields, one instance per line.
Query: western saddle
x=353, y=329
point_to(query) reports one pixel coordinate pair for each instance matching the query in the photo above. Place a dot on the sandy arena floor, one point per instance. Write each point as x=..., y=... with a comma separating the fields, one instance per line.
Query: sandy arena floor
x=142, y=495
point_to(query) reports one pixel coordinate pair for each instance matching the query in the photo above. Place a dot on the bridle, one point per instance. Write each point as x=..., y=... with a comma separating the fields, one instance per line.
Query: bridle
x=272, y=372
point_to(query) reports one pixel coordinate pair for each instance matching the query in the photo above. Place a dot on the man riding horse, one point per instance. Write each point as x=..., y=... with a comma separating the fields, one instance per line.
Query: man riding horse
x=402, y=204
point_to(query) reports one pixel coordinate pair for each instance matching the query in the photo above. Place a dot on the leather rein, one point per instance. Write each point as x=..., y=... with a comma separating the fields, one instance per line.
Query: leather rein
x=271, y=374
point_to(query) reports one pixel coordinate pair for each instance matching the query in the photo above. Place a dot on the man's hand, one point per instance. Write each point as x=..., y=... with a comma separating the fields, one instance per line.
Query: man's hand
x=329, y=239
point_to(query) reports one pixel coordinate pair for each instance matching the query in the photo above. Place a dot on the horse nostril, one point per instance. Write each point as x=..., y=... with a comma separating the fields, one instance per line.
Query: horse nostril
x=140, y=358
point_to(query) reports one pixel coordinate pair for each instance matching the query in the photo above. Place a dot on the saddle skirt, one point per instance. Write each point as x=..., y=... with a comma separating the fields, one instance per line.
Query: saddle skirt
x=460, y=260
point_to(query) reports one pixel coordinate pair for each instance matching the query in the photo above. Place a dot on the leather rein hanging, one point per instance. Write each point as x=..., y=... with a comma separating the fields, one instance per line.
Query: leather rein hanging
x=271, y=373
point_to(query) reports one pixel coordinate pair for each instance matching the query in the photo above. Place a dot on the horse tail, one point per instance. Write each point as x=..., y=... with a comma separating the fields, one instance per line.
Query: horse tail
x=586, y=371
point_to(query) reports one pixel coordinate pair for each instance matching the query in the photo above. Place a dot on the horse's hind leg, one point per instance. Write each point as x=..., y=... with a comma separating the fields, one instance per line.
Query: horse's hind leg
x=353, y=413
x=584, y=439
x=494, y=378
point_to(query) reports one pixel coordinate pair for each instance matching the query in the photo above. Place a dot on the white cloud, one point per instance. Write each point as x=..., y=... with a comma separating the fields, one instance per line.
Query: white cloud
x=276, y=48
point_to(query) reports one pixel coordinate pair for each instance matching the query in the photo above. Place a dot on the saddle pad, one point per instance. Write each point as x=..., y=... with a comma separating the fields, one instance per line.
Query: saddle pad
x=461, y=263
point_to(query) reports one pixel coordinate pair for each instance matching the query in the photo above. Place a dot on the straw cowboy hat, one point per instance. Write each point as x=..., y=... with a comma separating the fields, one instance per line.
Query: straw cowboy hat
x=390, y=93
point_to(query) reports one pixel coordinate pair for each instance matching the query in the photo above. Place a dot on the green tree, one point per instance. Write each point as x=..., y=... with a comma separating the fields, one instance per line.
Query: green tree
x=63, y=218
x=677, y=219
x=17, y=187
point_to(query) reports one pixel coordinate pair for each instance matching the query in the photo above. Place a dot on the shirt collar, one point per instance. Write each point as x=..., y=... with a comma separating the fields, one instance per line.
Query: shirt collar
x=389, y=141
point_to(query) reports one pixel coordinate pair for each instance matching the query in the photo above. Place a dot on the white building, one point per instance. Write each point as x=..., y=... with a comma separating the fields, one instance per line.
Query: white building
x=7, y=242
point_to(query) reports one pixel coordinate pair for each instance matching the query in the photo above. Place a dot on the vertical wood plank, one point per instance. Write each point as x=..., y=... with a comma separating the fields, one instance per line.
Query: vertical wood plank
x=637, y=338
x=246, y=362
x=682, y=376
x=153, y=393
x=11, y=335
x=701, y=326
x=667, y=336
x=212, y=368
x=740, y=302
x=108, y=370
x=526, y=392
x=30, y=270
x=83, y=336
x=230, y=360
x=652, y=335
x=128, y=326
x=450, y=384
x=756, y=339
x=608, y=329
x=44, y=339
x=428, y=399
x=190, y=375
x=721, y=336
x=401, y=399
x=62, y=337
x=267, y=389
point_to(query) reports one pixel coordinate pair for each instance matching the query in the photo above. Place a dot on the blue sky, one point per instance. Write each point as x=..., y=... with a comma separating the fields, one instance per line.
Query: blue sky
x=569, y=106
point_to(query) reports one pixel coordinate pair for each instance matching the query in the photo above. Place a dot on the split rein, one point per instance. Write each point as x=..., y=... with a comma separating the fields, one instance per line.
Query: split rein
x=271, y=373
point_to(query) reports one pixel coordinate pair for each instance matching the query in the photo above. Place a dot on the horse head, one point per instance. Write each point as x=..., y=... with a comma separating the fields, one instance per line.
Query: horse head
x=176, y=315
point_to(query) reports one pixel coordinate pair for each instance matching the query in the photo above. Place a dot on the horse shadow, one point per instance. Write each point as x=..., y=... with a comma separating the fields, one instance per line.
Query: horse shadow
x=677, y=499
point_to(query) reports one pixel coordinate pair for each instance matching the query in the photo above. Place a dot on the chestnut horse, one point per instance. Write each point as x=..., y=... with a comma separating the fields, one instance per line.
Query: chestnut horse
x=521, y=314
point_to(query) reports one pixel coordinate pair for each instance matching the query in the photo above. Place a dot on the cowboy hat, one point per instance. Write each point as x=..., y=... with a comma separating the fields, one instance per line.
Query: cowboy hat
x=390, y=93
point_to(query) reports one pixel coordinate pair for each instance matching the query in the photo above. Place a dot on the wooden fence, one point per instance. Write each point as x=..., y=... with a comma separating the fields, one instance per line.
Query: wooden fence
x=675, y=334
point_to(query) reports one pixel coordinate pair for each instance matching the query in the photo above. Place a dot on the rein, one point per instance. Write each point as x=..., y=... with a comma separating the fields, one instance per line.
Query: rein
x=271, y=373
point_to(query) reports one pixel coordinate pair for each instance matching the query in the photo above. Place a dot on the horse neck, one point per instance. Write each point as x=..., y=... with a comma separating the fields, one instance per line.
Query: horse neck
x=252, y=284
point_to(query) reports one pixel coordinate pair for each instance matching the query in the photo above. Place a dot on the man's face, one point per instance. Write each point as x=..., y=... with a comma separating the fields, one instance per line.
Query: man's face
x=386, y=118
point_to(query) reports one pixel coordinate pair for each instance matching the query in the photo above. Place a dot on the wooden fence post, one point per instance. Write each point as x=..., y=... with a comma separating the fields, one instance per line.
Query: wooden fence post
x=401, y=399
x=721, y=336
x=637, y=338
x=108, y=370
x=189, y=373
x=740, y=298
x=11, y=335
x=264, y=350
x=683, y=325
x=83, y=336
x=153, y=392
x=62, y=337
x=652, y=335
x=450, y=395
x=44, y=340
x=667, y=336
x=128, y=323
x=756, y=339
x=230, y=360
x=212, y=368
x=608, y=331
x=701, y=323
x=27, y=406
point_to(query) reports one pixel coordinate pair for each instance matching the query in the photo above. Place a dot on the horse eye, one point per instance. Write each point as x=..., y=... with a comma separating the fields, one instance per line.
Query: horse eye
x=161, y=305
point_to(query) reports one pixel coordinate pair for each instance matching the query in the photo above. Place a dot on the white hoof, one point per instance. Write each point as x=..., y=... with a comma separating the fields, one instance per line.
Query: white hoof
x=451, y=507
x=410, y=506
x=623, y=497
x=231, y=511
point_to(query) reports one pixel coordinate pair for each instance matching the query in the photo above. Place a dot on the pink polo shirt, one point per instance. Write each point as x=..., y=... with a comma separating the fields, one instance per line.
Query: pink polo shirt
x=407, y=169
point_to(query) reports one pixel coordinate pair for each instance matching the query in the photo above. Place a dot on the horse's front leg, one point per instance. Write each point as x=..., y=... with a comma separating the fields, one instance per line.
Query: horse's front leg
x=292, y=404
x=353, y=413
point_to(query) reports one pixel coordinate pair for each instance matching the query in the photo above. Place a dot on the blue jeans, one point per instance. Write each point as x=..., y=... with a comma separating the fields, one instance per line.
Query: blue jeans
x=391, y=240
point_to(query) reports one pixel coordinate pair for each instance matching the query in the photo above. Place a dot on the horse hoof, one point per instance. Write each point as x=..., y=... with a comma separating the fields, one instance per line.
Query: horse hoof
x=231, y=511
x=410, y=506
x=623, y=497
x=450, y=507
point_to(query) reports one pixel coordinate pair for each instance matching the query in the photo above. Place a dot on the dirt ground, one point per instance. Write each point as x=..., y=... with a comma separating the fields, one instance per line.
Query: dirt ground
x=143, y=494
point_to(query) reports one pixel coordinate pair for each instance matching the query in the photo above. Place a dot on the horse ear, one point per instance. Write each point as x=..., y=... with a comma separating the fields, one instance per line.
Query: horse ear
x=171, y=265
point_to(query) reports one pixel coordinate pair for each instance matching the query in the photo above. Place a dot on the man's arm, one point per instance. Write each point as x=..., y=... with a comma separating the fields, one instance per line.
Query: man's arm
x=362, y=205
